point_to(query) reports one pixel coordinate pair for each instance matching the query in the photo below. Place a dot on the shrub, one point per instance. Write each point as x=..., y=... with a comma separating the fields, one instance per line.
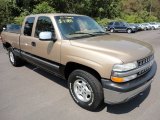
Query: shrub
x=43, y=8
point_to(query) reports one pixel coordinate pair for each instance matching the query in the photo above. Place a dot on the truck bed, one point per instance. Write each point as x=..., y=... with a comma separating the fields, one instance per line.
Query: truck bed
x=12, y=38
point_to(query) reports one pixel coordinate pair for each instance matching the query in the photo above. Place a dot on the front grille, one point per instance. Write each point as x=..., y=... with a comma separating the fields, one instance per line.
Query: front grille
x=142, y=72
x=144, y=61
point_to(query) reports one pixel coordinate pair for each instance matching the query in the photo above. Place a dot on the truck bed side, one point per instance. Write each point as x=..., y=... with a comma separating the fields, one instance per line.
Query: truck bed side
x=12, y=38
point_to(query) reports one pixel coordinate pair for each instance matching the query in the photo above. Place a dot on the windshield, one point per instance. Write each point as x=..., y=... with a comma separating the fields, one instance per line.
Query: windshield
x=78, y=26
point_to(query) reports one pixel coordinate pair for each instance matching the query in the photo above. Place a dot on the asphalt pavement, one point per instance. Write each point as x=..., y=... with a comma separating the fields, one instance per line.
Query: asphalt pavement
x=29, y=93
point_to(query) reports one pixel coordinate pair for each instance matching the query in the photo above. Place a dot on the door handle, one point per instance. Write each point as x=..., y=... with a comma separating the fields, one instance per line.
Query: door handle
x=33, y=44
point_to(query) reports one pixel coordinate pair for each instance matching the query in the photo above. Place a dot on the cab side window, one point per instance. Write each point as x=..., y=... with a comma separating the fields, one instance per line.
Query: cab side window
x=28, y=26
x=117, y=24
x=43, y=24
x=111, y=23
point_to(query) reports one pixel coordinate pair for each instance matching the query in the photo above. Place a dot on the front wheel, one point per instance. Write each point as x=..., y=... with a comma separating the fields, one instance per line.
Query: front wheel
x=112, y=30
x=129, y=31
x=145, y=29
x=85, y=89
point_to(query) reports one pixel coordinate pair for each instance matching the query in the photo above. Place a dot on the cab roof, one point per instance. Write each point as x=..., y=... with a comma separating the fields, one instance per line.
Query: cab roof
x=54, y=14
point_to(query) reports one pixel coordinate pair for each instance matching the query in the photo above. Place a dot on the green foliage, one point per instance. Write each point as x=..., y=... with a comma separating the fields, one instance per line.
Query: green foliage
x=19, y=19
x=103, y=21
x=8, y=10
x=40, y=8
x=43, y=8
x=152, y=18
x=103, y=10
x=133, y=19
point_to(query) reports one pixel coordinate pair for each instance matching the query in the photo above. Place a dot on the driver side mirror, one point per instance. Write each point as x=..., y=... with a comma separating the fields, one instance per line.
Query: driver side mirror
x=46, y=36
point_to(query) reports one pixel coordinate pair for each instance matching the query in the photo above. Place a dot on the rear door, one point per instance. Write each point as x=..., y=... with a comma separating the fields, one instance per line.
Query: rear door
x=117, y=26
x=123, y=27
x=26, y=35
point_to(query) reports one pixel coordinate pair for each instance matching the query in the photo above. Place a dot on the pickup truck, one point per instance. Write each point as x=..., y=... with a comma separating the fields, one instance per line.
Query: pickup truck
x=99, y=67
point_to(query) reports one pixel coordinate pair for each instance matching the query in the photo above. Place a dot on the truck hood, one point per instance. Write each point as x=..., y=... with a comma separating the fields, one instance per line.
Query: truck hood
x=126, y=49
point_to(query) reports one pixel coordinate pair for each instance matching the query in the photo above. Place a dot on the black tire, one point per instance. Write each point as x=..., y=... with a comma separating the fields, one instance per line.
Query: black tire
x=145, y=28
x=153, y=28
x=92, y=83
x=14, y=60
x=129, y=31
x=112, y=30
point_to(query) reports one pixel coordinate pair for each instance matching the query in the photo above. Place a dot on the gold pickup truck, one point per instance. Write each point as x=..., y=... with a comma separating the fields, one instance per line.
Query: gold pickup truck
x=98, y=66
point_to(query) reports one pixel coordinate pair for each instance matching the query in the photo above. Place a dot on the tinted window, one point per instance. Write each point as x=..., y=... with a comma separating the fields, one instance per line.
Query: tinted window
x=116, y=24
x=12, y=28
x=123, y=24
x=28, y=26
x=111, y=23
x=43, y=24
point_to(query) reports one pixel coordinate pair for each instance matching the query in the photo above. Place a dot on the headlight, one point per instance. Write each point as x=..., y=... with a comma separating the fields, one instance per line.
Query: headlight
x=124, y=67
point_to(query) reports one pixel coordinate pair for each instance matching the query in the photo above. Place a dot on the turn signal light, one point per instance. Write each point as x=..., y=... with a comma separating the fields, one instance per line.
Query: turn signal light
x=117, y=79
x=123, y=79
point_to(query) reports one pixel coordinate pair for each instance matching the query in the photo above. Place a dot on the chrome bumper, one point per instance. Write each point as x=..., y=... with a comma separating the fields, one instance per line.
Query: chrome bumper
x=114, y=97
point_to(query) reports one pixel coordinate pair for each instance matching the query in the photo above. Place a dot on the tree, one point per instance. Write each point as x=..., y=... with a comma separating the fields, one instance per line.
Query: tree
x=43, y=8
x=8, y=10
x=39, y=8
x=102, y=10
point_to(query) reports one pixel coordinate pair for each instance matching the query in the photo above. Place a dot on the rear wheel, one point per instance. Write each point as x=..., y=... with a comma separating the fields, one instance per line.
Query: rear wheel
x=153, y=28
x=85, y=89
x=145, y=28
x=129, y=31
x=14, y=60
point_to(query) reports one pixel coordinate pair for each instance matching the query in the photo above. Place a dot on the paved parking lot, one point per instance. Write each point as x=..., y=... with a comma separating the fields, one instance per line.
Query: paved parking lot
x=28, y=93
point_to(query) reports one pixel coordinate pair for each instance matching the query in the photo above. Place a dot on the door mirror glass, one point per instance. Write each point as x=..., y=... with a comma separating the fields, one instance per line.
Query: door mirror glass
x=46, y=36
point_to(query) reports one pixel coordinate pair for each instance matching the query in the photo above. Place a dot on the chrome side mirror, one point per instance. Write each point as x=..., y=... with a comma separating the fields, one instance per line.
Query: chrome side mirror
x=46, y=36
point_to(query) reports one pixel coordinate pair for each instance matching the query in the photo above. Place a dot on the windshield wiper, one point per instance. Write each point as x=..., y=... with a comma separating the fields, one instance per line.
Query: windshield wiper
x=101, y=32
x=82, y=33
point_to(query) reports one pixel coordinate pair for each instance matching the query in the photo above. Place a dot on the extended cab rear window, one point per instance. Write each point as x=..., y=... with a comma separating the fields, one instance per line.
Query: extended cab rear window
x=28, y=26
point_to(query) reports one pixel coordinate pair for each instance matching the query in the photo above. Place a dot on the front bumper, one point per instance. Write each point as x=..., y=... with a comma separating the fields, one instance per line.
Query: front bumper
x=134, y=29
x=115, y=93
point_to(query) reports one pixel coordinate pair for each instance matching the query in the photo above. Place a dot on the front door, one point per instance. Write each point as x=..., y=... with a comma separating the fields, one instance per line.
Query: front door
x=49, y=49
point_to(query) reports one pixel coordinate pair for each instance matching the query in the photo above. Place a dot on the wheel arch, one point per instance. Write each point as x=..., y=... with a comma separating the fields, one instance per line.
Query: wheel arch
x=71, y=66
x=129, y=28
x=7, y=45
